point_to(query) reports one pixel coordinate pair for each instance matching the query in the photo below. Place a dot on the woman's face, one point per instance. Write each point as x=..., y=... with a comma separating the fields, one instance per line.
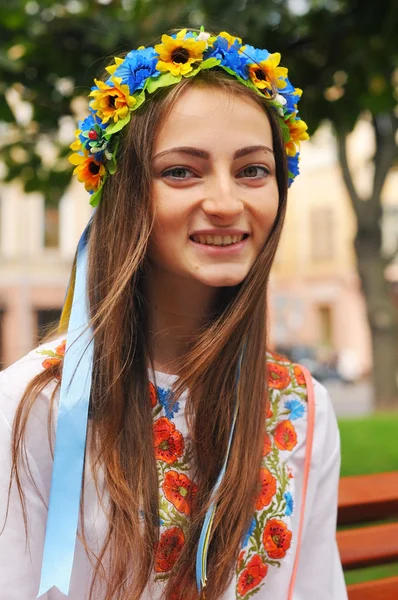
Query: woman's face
x=215, y=192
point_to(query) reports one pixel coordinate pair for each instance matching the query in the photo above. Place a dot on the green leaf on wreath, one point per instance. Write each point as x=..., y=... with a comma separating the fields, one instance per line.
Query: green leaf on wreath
x=163, y=80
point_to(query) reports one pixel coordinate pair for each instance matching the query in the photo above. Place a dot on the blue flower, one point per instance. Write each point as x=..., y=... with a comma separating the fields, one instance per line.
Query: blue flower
x=289, y=503
x=292, y=98
x=296, y=408
x=249, y=532
x=255, y=54
x=137, y=67
x=229, y=57
x=293, y=167
x=165, y=400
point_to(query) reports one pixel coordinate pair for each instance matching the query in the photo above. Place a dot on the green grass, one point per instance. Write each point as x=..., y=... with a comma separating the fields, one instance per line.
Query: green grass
x=369, y=445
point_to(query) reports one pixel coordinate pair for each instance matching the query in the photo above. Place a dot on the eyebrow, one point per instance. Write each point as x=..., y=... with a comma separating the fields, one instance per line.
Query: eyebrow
x=198, y=153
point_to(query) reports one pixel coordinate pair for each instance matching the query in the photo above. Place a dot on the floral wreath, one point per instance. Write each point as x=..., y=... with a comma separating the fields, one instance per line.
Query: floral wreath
x=145, y=70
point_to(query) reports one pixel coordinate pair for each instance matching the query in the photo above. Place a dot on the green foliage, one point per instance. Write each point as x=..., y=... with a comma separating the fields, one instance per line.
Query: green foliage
x=343, y=53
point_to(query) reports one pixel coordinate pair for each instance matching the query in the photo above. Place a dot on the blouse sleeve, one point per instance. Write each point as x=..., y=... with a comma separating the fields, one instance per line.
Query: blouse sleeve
x=20, y=562
x=319, y=574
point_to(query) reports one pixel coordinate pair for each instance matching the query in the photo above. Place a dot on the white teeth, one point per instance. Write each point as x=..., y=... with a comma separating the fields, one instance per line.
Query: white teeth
x=217, y=240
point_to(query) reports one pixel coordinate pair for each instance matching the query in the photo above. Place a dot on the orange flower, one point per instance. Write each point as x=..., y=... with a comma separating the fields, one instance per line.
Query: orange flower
x=268, y=410
x=268, y=489
x=152, y=394
x=179, y=490
x=278, y=376
x=88, y=170
x=111, y=100
x=51, y=363
x=60, y=350
x=276, y=538
x=169, y=548
x=267, y=445
x=285, y=435
x=299, y=375
x=252, y=576
x=169, y=443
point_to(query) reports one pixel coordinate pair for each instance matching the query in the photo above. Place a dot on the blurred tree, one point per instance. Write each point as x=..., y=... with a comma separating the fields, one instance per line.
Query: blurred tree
x=344, y=54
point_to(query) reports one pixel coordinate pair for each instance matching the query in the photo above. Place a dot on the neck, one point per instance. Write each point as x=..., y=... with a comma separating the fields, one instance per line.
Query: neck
x=178, y=308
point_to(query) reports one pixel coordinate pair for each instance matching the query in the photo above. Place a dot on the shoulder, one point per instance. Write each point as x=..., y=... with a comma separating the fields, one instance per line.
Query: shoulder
x=304, y=402
x=15, y=379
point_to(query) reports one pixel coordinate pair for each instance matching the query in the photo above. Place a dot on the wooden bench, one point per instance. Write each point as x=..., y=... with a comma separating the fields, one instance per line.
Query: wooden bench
x=362, y=500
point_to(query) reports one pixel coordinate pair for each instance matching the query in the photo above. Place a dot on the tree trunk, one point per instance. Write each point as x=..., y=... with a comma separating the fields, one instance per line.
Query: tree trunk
x=383, y=321
x=381, y=310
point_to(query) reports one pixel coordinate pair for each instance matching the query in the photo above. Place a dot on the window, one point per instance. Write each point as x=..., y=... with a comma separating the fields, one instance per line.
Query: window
x=46, y=320
x=322, y=231
x=51, y=227
x=325, y=326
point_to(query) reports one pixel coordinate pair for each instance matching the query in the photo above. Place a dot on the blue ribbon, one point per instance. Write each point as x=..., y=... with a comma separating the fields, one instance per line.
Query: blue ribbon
x=70, y=442
x=205, y=534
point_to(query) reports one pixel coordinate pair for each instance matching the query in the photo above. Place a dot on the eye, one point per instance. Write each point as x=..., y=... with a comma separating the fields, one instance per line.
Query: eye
x=178, y=173
x=254, y=172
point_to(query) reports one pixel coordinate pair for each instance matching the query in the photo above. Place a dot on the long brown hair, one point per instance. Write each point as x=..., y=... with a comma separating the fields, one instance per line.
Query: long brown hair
x=121, y=426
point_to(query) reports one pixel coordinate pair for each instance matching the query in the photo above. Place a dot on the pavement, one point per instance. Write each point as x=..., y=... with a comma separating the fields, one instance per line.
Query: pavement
x=350, y=399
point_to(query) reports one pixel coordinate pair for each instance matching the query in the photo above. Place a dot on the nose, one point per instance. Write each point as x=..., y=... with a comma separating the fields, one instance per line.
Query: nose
x=222, y=197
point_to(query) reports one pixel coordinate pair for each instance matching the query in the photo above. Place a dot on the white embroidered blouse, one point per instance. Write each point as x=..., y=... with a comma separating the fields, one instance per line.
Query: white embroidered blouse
x=266, y=562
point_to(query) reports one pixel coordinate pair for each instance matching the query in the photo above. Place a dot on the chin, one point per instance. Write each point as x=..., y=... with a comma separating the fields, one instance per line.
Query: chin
x=223, y=279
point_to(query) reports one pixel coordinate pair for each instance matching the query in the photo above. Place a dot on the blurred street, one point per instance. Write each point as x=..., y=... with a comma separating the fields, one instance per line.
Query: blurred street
x=350, y=399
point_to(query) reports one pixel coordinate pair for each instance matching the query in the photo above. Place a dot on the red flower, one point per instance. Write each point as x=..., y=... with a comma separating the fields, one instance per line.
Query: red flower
x=252, y=576
x=299, y=375
x=268, y=489
x=169, y=443
x=169, y=548
x=152, y=394
x=285, y=435
x=267, y=445
x=268, y=410
x=278, y=376
x=179, y=490
x=276, y=538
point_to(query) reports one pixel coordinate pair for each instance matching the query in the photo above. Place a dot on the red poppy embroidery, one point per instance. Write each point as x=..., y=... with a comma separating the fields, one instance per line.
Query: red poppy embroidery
x=252, y=576
x=299, y=375
x=276, y=538
x=268, y=489
x=285, y=435
x=169, y=442
x=60, y=350
x=55, y=358
x=278, y=376
x=268, y=410
x=152, y=394
x=169, y=548
x=267, y=445
x=179, y=490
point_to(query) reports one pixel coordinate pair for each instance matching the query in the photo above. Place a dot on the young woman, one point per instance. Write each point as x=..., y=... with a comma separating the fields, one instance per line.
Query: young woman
x=187, y=460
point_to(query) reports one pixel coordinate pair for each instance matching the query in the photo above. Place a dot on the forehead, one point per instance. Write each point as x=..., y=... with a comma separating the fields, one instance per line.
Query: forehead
x=205, y=116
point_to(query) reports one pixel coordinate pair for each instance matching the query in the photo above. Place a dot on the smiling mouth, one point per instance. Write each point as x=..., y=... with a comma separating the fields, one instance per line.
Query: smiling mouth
x=218, y=240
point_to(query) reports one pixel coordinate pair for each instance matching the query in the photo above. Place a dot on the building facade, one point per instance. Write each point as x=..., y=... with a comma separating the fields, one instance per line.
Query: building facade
x=315, y=295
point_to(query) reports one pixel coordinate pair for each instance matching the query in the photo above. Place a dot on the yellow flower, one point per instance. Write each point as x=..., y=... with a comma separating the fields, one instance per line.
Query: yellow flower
x=177, y=54
x=267, y=75
x=231, y=39
x=112, y=68
x=76, y=145
x=111, y=101
x=298, y=133
x=88, y=170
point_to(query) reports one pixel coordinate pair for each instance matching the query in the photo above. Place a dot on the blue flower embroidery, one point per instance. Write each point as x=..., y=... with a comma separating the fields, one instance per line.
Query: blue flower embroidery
x=296, y=409
x=289, y=503
x=165, y=399
x=249, y=532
